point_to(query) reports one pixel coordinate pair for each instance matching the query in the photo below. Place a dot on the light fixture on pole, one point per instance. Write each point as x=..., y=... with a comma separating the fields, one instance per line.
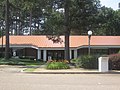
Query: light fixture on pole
x=89, y=37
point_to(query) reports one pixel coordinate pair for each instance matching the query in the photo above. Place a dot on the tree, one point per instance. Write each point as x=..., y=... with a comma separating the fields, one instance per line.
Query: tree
x=108, y=22
x=54, y=24
x=67, y=30
x=35, y=13
x=82, y=15
x=58, y=23
x=78, y=16
x=7, y=30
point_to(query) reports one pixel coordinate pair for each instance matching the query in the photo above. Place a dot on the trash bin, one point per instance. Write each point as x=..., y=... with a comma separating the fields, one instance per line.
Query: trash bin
x=103, y=64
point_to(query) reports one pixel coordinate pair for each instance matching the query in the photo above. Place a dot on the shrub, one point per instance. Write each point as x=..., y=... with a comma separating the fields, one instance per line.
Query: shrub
x=86, y=61
x=76, y=62
x=27, y=57
x=114, y=62
x=57, y=65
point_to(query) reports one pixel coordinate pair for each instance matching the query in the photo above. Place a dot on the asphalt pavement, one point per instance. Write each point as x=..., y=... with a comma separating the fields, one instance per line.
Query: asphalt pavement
x=12, y=79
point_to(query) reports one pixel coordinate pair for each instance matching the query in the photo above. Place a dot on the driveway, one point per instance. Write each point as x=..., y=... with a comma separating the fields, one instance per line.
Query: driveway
x=12, y=79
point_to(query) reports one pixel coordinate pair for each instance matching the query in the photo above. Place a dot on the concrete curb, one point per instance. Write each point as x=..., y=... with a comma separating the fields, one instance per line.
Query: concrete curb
x=69, y=71
x=110, y=72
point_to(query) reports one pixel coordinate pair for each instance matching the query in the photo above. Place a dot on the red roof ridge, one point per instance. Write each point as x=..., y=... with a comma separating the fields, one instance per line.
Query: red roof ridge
x=75, y=41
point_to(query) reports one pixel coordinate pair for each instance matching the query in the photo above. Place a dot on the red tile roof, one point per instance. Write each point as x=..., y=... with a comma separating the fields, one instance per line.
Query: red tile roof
x=75, y=41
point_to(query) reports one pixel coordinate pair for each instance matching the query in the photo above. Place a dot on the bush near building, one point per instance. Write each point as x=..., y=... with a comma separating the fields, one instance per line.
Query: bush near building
x=86, y=61
x=53, y=64
x=23, y=62
x=114, y=62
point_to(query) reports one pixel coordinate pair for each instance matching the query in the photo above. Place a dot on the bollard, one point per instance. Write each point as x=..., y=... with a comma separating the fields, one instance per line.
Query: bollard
x=103, y=64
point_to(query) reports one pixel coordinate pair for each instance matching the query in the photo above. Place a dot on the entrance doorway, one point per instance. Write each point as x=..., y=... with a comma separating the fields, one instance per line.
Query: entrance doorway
x=56, y=54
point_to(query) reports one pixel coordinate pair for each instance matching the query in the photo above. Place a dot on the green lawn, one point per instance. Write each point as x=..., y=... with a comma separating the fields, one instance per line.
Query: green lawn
x=26, y=62
x=29, y=69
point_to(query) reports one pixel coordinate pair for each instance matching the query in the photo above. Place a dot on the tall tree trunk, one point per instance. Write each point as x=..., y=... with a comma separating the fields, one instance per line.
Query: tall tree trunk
x=30, y=22
x=16, y=30
x=38, y=24
x=7, y=30
x=67, y=31
x=67, y=50
x=19, y=14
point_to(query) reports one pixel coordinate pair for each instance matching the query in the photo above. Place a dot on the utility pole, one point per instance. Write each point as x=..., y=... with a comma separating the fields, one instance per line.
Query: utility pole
x=7, y=25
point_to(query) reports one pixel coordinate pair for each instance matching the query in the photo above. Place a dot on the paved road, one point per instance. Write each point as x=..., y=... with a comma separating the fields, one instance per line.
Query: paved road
x=21, y=81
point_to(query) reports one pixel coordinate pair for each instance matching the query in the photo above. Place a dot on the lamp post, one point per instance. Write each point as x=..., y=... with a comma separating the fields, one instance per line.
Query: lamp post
x=89, y=37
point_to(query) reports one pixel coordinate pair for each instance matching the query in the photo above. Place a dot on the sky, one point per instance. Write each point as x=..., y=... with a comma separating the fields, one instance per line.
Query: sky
x=110, y=3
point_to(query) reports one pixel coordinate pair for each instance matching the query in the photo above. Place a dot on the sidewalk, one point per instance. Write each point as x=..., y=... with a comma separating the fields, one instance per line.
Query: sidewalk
x=42, y=70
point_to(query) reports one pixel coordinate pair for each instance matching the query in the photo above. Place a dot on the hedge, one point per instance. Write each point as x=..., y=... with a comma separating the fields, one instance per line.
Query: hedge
x=86, y=61
x=57, y=65
x=114, y=62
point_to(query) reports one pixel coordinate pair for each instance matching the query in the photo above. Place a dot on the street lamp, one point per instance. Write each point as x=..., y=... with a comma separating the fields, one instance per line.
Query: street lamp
x=89, y=37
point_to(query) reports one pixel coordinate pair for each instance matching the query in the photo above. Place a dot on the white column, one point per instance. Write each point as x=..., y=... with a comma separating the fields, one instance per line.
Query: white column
x=39, y=54
x=44, y=55
x=75, y=53
x=70, y=54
